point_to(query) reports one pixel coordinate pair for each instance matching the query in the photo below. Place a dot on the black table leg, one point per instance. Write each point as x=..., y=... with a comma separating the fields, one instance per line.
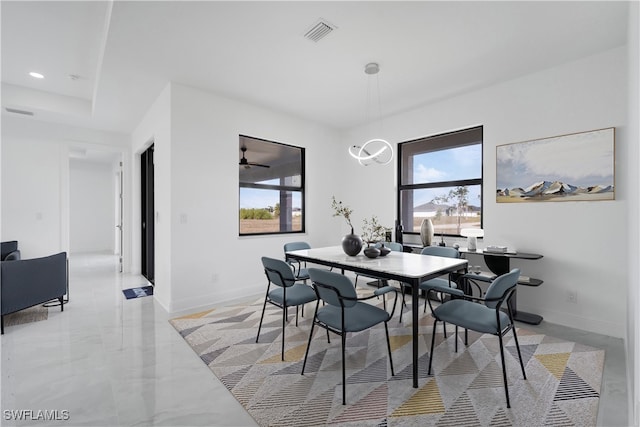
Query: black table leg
x=414, y=326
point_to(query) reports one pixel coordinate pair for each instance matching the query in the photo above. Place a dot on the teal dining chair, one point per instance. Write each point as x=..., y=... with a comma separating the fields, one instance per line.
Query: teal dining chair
x=344, y=312
x=288, y=293
x=485, y=315
x=299, y=269
x=438, y=283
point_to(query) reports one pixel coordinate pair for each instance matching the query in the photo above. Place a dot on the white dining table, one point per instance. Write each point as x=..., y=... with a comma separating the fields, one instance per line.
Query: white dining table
x=409, y=268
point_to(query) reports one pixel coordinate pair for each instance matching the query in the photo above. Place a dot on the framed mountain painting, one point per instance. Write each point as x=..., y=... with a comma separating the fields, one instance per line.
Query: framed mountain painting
x=574, y=167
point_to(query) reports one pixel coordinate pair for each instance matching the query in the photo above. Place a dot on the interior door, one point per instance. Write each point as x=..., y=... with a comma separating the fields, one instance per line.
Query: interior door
x=148, y=219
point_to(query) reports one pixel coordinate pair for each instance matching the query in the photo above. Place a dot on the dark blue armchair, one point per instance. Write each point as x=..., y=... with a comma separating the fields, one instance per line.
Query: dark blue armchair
x=28, y=282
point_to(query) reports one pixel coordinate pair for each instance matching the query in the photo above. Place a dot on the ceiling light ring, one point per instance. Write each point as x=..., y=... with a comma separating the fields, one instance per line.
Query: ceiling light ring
x=369, y=156
x=361, y=153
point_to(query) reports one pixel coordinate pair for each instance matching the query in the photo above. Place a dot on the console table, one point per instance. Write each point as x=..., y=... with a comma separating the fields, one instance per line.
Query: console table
x=498, y=263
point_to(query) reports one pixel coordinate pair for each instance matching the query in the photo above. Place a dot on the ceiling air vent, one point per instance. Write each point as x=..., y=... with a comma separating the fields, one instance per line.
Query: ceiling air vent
x=319, y=31
x=16, y=111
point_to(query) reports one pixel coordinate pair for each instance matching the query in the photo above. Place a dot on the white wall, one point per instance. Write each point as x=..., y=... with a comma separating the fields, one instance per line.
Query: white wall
x=633, y=260
x=155, y=128
x=32, y=180
x=35, y=181
x=209, y=262
x=583, y=243
x=91, y=206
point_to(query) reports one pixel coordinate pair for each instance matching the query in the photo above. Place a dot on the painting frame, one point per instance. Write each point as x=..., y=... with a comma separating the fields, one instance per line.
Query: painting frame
x=571, y=167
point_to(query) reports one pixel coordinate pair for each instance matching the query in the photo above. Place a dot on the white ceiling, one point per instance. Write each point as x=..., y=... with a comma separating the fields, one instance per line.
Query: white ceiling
x=126, y=52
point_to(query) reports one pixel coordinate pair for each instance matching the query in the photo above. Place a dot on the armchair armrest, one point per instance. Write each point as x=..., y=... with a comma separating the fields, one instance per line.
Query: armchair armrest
x=12, y=256
x=9, y=250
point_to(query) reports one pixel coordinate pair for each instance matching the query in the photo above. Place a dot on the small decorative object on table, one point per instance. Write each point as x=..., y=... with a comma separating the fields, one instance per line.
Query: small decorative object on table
x=442, y=243
x=372, y=252
x=472, y=235
x=384, y=251
x=426, y=232
x=399, y=231
x=373, y=232
x=351, y=243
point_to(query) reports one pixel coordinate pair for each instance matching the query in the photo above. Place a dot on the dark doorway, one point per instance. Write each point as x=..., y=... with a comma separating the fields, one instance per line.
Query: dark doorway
x=148, y=219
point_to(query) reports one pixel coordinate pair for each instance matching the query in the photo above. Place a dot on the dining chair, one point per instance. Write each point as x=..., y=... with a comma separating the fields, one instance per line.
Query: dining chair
x=394, y=247
x=299, y=269
x=485, y=315
x=438, y=282
x=344, y=312
x=288, y=292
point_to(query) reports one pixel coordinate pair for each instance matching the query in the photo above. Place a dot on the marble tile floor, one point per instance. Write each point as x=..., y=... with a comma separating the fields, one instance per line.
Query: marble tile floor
x=108, y=361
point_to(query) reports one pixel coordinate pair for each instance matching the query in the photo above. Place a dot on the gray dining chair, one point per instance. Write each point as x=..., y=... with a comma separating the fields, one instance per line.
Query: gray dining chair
x=485, y=315
x=288, y=292
x=299, y=269
x=344, y=312
x=438, y=283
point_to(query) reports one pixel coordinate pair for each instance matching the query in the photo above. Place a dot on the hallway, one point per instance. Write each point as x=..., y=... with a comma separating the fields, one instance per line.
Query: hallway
x=109, y=361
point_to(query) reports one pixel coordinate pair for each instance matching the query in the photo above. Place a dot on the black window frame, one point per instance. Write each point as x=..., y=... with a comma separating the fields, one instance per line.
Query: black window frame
x=276, y=187
x=439, y=142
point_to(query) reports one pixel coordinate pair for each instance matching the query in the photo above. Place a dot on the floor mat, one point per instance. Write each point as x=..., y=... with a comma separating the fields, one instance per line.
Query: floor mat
x=140, y=292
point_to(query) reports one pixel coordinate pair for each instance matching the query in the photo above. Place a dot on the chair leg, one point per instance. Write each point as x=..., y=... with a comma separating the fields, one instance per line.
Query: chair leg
x=404, y=304
x=504, y=371
x=264, y=306
x=386, y=330
x=61, y=299
x=306, y=353
x=433, y=341
x=344, y=375
x=2, y=324
x=284, y=321
x=456, y=338
x=296, y=316
x=515, y=337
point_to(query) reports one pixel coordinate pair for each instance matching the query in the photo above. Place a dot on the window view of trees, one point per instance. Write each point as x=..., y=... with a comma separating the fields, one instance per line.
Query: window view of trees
x=441, y=179
x=271, y=187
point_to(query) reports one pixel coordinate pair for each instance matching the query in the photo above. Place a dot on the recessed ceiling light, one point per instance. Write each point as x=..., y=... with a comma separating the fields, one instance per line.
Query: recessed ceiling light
x=36, y=75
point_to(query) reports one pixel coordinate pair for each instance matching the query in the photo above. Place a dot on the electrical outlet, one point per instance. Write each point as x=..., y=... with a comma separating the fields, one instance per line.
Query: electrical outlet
x=572, y=297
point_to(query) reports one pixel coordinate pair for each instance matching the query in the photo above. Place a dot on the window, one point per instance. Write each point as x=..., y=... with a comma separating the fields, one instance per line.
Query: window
x=440, y=177
x=271, y=187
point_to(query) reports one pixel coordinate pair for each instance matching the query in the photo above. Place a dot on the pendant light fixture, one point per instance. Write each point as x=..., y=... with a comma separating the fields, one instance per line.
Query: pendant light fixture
x=375, y=150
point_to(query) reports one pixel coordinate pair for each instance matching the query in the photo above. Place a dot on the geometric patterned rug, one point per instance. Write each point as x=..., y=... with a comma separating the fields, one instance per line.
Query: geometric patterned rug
x=562, y=386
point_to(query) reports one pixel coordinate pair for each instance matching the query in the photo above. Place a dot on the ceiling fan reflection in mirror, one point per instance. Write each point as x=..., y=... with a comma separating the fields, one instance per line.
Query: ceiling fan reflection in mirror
x=247, y=164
